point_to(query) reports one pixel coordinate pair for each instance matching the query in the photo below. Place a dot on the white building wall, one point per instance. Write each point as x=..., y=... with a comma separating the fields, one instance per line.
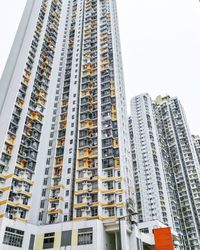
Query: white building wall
x=36, y=187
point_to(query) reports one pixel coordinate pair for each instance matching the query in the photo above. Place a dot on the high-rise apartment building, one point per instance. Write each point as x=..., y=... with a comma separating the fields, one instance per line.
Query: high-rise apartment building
x=65, y=162
x=196, y=141
x=163, y=151
x=150, y=186
x=184, y=165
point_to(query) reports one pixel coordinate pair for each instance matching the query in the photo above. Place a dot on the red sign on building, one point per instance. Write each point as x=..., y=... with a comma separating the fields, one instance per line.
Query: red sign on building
x=163, y=239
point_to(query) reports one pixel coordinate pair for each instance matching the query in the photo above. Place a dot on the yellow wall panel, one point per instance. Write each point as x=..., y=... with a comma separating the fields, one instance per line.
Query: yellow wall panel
x=75, y=237
x=39, y=242
x=57, y=241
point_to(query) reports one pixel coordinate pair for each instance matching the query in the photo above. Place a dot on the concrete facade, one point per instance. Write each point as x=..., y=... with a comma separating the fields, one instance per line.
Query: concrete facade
x=65, y=160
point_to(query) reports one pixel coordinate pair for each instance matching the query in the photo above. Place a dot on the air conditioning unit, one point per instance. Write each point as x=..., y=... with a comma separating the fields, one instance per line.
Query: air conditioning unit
x=6, y=168
x=87, y=209
x=2, y=181
x=88, y=197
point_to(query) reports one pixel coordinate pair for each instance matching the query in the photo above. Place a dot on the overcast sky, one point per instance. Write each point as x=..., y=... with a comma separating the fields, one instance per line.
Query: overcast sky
x=160, y=47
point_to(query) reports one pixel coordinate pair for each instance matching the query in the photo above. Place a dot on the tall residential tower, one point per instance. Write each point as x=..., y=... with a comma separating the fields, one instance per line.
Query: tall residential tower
x=165, y=165
x=150, y=185
x=184, y=166
x=65, y=163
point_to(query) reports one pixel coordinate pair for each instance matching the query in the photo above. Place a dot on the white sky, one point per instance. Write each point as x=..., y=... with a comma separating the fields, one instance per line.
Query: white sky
x=160, y=47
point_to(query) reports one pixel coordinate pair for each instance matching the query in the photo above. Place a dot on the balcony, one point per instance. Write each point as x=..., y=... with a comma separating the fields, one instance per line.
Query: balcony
x=85, y=174
x=3, y=186
x=22, y=190
x=115, y=143
x=57, y=173
x=20, y=103
x=87, y=124
x=55, y=211
x=56, y=187
x=17, y=214
x=42, y=94
x=41, y=101
x=55, y=198
x=59, y=162
x=63, y=117
x=22, y=163
x=26, y=77
x=10, y=139
x=64, y=103
x=8, y=149
x=61, y=143
x=18, y=205
x=63, y=125
x=86, y=93
x=36, y=116
x=87, y=153
x=114, y=116
x=117, y=163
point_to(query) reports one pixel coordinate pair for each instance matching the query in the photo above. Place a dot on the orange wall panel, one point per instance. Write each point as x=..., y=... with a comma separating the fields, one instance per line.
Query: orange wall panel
x=163, y=239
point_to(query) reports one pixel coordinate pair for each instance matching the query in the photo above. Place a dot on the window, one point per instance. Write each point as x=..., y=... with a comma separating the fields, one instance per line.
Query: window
x=85, y=236
x=42, y=204
x=48, y=161
x=111, y=211
x=45, y=181
x=31, y=242
x=40, y=217
x=78, y=213
x=46, y=171
x=94, y=211
x=13, y=237
x=43, y=192
x=110, y=173
x=66, y=238
x=48, y=240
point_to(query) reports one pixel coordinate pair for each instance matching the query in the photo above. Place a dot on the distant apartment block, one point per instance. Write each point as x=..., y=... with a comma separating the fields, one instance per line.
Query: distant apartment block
x=166, y=167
